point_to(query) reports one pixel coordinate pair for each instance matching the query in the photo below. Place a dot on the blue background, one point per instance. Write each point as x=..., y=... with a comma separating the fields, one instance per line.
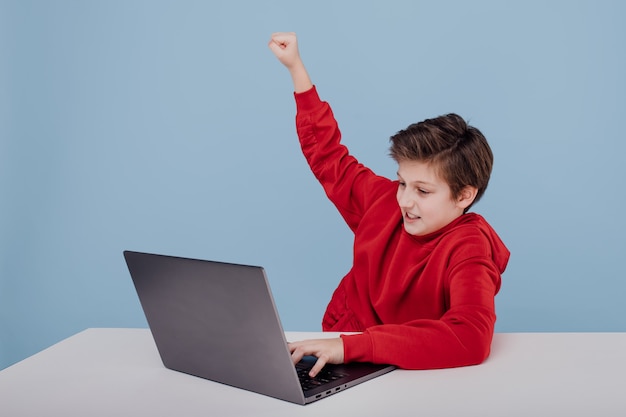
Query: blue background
x=168, y=126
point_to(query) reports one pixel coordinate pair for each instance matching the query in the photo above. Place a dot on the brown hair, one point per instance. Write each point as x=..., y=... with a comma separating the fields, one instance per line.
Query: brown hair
x=459, y=152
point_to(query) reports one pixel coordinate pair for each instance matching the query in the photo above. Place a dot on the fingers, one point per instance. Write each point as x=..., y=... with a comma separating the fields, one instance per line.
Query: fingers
x=296, y=353
x=300, y=350
x=284, y=45
x=326, y=351
x=283, y=39
x=319, y=364
x=276, y=47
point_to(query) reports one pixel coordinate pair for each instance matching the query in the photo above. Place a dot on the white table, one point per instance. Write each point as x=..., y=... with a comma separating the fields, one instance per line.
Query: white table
x=117, y=372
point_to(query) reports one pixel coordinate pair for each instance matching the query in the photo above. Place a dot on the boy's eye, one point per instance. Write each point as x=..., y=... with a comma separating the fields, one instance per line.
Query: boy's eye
x=422, y=191
x=401, y=184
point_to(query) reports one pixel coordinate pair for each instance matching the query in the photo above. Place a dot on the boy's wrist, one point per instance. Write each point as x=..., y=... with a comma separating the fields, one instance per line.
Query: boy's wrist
x=300, y=77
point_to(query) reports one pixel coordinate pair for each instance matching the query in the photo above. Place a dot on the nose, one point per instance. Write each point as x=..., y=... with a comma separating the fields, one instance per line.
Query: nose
x=404, y=198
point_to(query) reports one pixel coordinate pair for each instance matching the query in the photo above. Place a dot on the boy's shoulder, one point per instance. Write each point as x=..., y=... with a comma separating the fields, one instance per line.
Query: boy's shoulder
x=470, y=236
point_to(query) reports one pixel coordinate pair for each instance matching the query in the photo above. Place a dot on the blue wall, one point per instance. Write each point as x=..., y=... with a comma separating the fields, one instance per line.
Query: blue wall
x=167, y=126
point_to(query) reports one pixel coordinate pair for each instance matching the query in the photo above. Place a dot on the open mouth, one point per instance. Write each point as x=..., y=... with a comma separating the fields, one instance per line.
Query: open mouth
x=410, y=216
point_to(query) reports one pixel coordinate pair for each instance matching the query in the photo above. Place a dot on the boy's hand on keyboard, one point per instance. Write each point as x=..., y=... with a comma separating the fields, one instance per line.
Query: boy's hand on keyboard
x=326, y=351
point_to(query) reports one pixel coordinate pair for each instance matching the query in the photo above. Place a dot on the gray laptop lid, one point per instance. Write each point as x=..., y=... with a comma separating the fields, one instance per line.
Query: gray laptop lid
x=218, y=321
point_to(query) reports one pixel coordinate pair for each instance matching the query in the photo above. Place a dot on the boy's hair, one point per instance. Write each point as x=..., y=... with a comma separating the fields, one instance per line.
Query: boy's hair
x=459, y=152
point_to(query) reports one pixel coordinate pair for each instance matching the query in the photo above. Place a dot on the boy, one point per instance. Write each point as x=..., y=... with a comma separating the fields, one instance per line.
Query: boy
x=425, y=272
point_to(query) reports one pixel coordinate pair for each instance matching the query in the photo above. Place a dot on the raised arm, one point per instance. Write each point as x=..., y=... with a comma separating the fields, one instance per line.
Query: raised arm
x=285, y=46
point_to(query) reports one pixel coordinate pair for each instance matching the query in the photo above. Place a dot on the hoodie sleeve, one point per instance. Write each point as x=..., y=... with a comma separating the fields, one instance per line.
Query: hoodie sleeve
x=350, y=186
x=462, y=335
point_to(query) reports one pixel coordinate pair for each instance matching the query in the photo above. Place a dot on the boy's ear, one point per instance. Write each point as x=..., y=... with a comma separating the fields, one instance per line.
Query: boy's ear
x=467, y=196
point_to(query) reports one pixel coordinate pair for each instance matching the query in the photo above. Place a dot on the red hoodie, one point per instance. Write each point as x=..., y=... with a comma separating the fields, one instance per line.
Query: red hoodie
x=421, y=302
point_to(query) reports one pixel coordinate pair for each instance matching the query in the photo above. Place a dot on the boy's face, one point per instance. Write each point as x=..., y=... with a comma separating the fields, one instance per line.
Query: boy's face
x=425, y=199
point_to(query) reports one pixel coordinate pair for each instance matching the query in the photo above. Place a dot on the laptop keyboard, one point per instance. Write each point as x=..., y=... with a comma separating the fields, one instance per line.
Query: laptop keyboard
x=323, y=377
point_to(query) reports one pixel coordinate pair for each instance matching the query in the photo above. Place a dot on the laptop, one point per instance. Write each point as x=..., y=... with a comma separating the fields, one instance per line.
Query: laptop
x=218, y=321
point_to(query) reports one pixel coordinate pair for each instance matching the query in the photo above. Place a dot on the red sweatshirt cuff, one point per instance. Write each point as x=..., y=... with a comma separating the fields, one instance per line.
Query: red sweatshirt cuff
x=358, y=348
x=307, y=100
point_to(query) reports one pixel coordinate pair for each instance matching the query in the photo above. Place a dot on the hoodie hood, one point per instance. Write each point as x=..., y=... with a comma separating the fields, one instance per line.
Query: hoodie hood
x=499, y=252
